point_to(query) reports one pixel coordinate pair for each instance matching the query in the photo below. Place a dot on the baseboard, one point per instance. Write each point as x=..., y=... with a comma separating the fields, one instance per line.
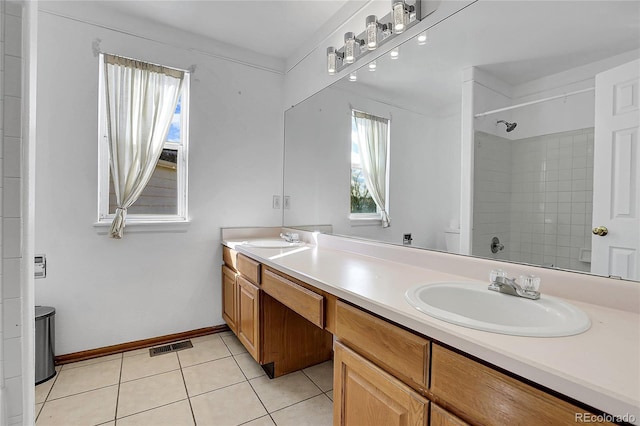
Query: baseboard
x=138, y=344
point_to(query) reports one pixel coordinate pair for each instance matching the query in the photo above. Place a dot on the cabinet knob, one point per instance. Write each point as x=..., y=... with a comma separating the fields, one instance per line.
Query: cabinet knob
x=600, y=230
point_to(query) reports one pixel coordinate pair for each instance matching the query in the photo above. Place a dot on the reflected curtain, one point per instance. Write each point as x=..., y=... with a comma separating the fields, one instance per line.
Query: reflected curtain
x=140, y=101
x=372, y=137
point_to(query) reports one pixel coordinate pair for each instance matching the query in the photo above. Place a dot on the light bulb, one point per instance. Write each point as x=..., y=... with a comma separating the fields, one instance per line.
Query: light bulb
x=372, y=32
x=397, y=10
x=349, y=48
x=353, y=76
x=395, y=53
x=422, y=38
x=332, y=60
x=372, y=66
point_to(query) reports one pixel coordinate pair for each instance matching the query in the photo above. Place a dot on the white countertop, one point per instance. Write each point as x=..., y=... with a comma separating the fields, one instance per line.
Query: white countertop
x=600, y=367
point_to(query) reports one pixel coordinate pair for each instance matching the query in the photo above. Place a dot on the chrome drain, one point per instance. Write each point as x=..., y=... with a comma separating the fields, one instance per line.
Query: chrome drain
x=173, y=347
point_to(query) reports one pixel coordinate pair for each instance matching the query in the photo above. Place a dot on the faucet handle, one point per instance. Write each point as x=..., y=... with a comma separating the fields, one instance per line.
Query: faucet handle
x=495, y=273
x=529, y=282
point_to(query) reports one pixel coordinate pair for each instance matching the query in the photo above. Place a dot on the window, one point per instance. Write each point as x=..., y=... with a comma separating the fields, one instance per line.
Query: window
x=164, y=199
x=361, y=201
x=369, y=167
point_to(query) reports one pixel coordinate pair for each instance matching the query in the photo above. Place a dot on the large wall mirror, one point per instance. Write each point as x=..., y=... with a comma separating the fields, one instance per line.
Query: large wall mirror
x=529, y=92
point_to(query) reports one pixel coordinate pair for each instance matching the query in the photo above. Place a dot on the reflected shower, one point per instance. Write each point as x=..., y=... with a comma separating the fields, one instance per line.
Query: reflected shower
x=510, y=126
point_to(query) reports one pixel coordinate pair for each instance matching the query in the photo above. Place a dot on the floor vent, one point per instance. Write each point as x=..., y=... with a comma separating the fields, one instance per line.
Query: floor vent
x=174, y=347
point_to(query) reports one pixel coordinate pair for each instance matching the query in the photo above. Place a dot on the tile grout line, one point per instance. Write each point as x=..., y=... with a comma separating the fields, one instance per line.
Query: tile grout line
x=46, y=398
x=193, y=415
x=115, y=415
x=253, y=389
x=312, y=381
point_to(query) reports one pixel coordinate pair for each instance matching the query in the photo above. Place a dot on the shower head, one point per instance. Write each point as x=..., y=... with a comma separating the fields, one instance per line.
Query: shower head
x=510, y=126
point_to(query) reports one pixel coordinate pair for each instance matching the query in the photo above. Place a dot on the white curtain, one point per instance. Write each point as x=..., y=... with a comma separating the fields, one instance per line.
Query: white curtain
x=140, y=101
x=372, y=134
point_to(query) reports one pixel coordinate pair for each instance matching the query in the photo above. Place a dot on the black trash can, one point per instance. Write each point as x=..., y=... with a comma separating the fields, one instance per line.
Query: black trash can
x=45, y=338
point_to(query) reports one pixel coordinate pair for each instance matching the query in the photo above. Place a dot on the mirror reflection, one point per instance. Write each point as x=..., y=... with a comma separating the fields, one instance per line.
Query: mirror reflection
x=493, y=127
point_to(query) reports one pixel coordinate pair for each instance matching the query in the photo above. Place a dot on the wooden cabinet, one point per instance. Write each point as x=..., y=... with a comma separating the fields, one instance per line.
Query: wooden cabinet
x=398, y=351
x=440, y=417
x=364, y=394
x=230, y=298
x=249, y=317
x=482, y=395
x=278, y=320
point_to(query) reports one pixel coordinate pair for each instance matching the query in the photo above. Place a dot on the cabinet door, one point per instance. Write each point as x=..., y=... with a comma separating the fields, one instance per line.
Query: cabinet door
x=229, y=298
x=249, y=317
x=441, y=417
x=366, y=395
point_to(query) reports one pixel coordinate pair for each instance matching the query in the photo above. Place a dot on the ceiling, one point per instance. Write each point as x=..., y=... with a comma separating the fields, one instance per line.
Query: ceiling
x=275, y=28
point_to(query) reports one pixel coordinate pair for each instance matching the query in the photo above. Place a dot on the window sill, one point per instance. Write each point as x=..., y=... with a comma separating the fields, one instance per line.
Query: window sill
x=102, y=226
x=365, y=221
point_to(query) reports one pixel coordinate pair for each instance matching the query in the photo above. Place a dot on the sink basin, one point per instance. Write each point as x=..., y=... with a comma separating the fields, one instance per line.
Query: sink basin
x=271, y=243
x=474, y=306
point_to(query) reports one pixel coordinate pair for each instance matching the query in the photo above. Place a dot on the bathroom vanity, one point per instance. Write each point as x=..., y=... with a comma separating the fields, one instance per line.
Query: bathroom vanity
x=396, y=365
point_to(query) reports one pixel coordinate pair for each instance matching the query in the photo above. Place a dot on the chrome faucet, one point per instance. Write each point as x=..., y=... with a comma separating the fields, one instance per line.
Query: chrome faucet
x=510, y=286
x=290, y=237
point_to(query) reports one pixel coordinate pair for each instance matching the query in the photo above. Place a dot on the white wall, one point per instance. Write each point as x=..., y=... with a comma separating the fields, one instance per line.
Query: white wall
x=149, y=283
x=424, y=168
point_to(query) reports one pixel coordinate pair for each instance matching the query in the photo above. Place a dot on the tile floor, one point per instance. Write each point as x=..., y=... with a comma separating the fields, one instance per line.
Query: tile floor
x=214, y=383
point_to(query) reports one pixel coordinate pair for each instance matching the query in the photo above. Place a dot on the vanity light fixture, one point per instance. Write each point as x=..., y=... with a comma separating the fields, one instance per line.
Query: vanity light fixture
x=353, y=76
x=373, y=31
x=372, y=66
x=395, y=53
x=422, y=38
x=403, y=14
x=333, y=57
x=351, y=47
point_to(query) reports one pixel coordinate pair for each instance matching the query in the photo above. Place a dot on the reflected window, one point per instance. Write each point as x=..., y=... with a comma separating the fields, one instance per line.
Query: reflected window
x=369, y=166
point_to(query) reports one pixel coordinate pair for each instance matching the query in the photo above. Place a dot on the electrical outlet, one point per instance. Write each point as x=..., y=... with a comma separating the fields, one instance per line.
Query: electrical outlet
x=277, y=202
x=406, y=239
x=287, y=202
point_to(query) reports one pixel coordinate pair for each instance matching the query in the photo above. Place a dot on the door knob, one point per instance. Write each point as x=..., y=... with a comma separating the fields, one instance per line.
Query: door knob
x=600, y=230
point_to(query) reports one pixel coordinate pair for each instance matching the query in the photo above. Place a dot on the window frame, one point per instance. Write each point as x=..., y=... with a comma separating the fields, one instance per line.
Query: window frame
x=368, y=218
x=182, y=148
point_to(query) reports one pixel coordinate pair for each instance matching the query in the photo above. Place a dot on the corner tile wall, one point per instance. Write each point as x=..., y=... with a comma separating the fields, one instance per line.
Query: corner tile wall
x=10, y=211
x=551, y=199
x=535, y=194
x=492, y=194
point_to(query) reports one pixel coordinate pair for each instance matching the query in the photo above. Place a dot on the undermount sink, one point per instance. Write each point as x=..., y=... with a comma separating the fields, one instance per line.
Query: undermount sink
x=474, y=306
x=272, y=243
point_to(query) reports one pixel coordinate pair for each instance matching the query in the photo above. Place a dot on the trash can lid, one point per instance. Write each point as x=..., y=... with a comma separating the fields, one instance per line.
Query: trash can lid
x=44, y=311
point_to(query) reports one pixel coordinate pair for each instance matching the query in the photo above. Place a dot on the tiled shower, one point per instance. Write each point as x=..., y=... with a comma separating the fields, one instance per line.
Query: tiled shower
x=535, y=195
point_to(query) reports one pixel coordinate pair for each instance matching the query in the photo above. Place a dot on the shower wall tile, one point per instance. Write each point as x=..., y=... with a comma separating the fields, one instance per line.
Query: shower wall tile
x=13, y=43
x=12, y=116
x=549, y=180
x=12, y=76
x=12, y=152
x=492, y=195
x=11, y=66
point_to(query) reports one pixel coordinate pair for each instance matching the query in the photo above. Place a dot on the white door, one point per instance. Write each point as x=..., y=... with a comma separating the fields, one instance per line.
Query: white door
x=616, y=173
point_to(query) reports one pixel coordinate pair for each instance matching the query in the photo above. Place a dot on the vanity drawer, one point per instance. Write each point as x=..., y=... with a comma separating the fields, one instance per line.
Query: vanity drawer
x=249, y=268
x=482, y=395
x=229, y=257
x=303, y=301
x=398, y=351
